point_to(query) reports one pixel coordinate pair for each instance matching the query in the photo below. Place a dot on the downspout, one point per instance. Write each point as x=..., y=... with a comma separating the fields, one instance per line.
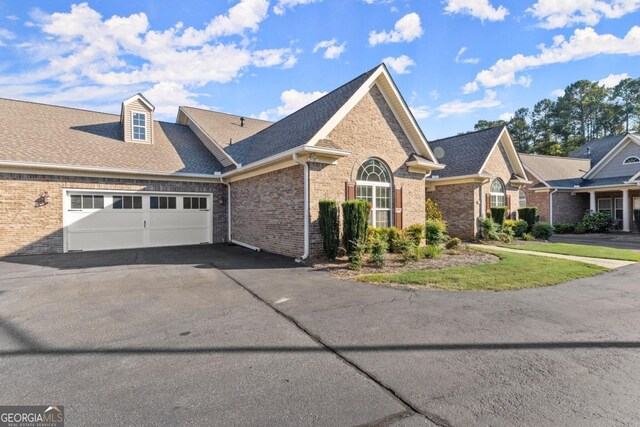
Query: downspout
x=551, y=206
x=305, y=165
x=229, y=239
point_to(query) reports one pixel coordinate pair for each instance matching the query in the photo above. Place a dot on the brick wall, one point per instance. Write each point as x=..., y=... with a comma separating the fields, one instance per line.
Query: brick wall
x=459, y=209
x=568, y=209
x=26, y=229
x=538, y=200
x=267, y=211
x=369, y=130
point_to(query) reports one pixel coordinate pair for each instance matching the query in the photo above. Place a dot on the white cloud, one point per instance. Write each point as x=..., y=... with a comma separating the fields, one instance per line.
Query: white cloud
x=420, y=111
x=470, y=87
x=166, y=95
x=6, y=35
x=557, y=93
x=80, y=48
x=399, y=65
x=460, y=107
x=505, y=116
x=465, y=60
x=480, y=9
x=333, y=50
x=292, y=100
x=559, y=14
x=406, y=29
x=434, y=94
x=612, y=80
x=12, y=18
x=378, y=1
x=280, y=7
x=584, y=43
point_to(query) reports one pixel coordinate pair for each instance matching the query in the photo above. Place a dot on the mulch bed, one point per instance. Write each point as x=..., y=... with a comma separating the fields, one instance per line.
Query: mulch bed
x=394, y=264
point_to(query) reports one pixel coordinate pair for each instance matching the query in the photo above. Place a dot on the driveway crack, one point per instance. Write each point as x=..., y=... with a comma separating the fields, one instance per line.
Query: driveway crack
x=434, y=418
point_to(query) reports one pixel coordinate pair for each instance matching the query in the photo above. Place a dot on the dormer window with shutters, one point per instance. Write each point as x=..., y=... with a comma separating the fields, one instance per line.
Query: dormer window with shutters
x=136, y=118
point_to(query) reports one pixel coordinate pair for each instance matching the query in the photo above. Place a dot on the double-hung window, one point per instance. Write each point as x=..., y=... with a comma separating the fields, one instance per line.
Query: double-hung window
x=138, y=126
x=498, y=193
x=373, y=184
x=605, y=205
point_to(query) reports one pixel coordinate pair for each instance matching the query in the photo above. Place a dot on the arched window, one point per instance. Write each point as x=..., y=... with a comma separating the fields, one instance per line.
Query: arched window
x=373, y=184
x=498, y=193
x=631, y=160
x=522, y=199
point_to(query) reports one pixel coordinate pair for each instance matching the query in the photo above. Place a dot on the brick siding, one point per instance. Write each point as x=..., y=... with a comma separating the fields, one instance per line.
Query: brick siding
x=458, y=205
x=369, y=130
x=26, y=229
x=567, y=208
x=538, y=200
x=267, y=211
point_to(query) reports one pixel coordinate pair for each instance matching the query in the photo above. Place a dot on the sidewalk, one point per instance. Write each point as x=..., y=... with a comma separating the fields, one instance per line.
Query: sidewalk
x=607, y=263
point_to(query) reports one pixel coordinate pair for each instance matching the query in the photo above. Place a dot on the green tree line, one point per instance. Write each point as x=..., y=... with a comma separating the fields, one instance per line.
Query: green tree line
x=585, y=112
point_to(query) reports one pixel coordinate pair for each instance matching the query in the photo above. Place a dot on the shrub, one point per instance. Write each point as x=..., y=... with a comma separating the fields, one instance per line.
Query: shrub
x=520, y=228
x=505, y=237
x=407, y=248
x=488, y=229
x=329, y=227
x=453, y=243
x=530, y=215
x=508, y=225
x=542, y=230
x=354, y=226
x=596, y=222
x=378, y=249
x=415, y=232
x=393, y=234
x=429, y=251
x=435, y=231
x=579, y=228
x=527, y=237
x=432, y=211
x=564, y=228
x=357, y=255
x=498, y=214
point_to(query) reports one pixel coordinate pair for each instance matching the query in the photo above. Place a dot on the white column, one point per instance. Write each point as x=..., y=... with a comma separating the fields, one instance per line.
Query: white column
x=625, y=211
x=592, y=201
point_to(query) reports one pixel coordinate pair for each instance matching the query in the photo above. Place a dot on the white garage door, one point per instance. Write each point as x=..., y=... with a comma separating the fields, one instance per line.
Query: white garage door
x=95, y=220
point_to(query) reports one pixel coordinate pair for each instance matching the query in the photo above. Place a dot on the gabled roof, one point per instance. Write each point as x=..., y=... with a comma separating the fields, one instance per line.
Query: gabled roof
x=586, y=183
x=630, y=138
x=52, y=135
x=223, y=128
x=297, y=128
x=595, y=150
x=467, y=153
x=552, y=168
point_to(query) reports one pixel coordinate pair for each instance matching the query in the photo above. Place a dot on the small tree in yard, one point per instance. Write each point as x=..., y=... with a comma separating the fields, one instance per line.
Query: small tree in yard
x=355, y=215
x=499, y=214
x=432, y=211
x=329, y=227
x=530, y=215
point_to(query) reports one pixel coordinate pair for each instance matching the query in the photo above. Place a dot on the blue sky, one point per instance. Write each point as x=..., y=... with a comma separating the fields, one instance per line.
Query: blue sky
x=455, y=61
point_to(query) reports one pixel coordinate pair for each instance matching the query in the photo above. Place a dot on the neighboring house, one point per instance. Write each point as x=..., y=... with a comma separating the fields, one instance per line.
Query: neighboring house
x=74, y=180
x=602, y=175
x=483, y=171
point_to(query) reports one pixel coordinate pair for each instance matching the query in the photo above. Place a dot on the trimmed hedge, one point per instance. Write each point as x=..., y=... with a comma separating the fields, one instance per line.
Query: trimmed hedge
x=436, y=230
x=329, y=227
x=530, y=215
x=542, y=230
x=354, y=226
x=415, y=233
x=499, y=214
x=564, y=228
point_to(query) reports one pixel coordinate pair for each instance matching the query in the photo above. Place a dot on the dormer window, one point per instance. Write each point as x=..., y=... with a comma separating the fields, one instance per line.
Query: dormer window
x=631, y=160
x=139, y=126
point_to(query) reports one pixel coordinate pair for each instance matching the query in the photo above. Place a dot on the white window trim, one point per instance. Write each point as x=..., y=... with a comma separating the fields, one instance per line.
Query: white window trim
x=627, y=162
x=610, y=210
x=146, y=138
x=521, y=193
x=501, y=194
x=374, y=207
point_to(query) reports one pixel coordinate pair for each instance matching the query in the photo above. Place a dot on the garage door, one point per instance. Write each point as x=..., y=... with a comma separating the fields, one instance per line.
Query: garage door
x=95, y=220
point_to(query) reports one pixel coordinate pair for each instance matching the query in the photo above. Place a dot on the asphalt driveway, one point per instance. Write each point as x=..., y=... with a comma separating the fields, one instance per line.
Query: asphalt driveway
x=223, y=336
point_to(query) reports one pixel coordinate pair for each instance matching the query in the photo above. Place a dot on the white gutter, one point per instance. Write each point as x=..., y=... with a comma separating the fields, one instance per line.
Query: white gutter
x=229, y=239
x=551, y=206
x=305, y=165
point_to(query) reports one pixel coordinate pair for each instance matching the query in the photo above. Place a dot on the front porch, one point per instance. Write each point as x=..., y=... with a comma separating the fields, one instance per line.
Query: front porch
x=623, y=204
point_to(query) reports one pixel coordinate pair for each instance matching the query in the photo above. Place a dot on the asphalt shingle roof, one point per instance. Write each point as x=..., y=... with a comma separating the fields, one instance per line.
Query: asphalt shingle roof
x=297, y=128
x=595, y=150
x=589, y=182
x=225, y=128
x=40, y=133
x=466, y=153
x=556, y=167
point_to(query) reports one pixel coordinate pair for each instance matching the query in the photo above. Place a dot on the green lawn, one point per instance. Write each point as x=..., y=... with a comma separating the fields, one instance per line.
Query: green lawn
x=577, y=250
x=513, y=271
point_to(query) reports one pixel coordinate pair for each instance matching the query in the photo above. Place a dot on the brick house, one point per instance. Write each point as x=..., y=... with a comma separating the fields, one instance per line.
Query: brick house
x=483, y=171
x=77, y=180
x=602, y=175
